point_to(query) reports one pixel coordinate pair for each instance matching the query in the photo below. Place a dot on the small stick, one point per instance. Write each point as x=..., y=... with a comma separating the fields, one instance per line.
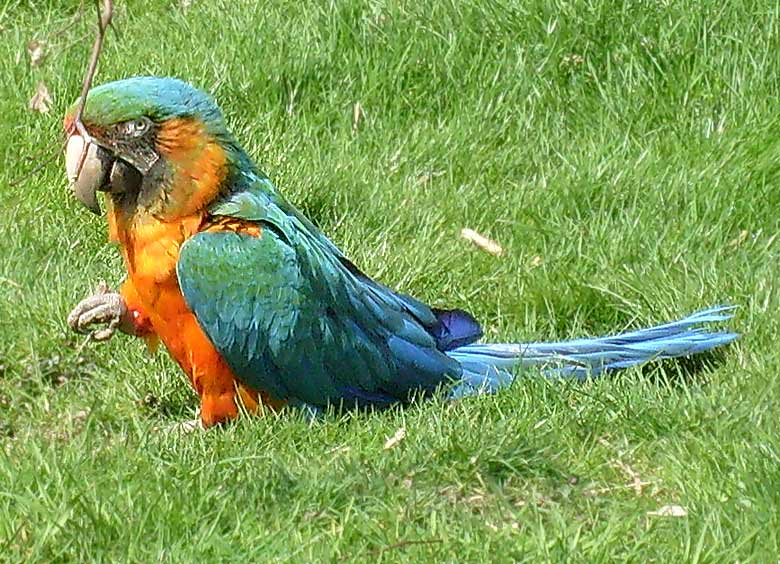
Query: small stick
x=104, y=20
x=487, y=245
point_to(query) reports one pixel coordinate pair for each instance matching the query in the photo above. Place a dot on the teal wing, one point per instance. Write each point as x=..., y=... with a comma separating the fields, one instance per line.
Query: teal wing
x=293, y=317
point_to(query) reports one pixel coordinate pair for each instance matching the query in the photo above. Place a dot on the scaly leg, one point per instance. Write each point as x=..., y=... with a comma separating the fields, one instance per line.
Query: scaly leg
x=117, y=310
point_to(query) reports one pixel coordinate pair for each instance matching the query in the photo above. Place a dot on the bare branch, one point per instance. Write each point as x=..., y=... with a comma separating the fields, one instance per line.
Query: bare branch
x=104, y=20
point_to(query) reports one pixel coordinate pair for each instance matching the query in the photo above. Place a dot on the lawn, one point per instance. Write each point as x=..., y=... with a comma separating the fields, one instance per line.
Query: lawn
x=626, y=156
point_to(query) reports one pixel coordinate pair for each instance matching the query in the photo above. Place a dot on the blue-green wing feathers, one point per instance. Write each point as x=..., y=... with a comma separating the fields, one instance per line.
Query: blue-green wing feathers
x=293, y=317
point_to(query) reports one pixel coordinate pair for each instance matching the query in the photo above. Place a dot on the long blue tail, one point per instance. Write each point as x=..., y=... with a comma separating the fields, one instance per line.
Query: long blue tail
x=485, y=366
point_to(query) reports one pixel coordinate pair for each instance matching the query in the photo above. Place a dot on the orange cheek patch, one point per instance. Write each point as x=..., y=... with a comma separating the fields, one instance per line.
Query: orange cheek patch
x=179, y=136
x=199, y=164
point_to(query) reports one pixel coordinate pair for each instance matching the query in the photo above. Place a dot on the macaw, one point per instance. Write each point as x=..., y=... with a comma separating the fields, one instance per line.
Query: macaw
x=255, y=303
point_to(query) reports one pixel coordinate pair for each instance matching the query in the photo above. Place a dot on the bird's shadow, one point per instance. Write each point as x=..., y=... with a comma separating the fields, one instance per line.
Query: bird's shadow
x=680, y=372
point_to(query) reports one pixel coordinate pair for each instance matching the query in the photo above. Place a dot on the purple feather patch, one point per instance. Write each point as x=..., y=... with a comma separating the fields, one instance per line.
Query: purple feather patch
x=456, y=328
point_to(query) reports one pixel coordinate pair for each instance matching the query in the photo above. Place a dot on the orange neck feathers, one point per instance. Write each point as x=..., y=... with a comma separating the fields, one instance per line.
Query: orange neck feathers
x=151, y=236
x=198, y=163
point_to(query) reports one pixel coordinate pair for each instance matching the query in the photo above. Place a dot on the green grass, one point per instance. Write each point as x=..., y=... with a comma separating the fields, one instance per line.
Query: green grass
x=625, y=154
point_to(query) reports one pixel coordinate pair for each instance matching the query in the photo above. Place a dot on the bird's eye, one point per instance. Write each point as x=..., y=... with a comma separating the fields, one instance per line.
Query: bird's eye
x=137, y=127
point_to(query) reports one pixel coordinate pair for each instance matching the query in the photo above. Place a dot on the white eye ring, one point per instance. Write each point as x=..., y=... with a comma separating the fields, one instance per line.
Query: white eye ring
x=137, y=127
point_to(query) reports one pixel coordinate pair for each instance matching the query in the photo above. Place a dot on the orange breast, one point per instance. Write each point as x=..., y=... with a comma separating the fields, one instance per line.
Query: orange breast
x=151, y=250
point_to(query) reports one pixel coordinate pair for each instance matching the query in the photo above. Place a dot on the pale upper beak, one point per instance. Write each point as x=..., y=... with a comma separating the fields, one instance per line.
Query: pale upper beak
x=93, y=176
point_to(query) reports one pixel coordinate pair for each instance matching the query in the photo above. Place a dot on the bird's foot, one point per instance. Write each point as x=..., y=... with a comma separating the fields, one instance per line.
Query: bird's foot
x=103, y=307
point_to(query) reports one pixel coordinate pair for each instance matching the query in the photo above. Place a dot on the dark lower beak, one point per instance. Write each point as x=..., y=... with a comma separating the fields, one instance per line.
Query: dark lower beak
x=89, y=173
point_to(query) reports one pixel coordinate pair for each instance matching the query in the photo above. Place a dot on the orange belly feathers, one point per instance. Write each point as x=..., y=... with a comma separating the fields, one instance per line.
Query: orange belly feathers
x=153, y=296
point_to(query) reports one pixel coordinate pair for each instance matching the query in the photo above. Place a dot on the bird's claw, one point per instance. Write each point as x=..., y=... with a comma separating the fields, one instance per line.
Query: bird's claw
x=103, y=307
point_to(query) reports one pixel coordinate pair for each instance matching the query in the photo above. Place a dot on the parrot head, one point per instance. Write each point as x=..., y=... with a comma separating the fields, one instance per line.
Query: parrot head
x=156, y=145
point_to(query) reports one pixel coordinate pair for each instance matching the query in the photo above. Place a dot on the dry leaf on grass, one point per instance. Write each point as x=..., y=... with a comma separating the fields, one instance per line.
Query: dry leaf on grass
x=636, y=482
x=539, y=424
x=669, y=511
x=41, y=100
x=487, y=245
x=357, y=115
x=399, y=435
x=739, y=239
x=37, y=52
